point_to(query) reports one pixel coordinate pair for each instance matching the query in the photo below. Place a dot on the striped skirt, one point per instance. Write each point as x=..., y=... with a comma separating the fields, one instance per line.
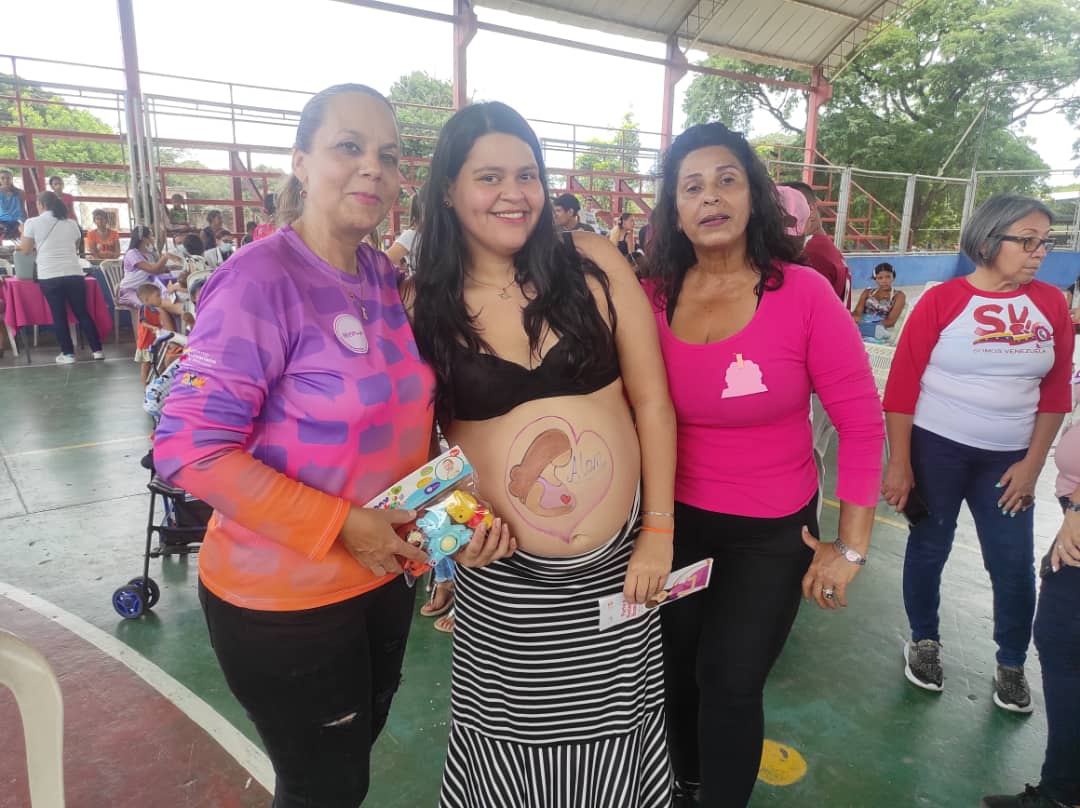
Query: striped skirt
x=547, y=711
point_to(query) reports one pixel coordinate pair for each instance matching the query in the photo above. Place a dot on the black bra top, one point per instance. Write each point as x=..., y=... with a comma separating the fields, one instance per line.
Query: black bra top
x=486, y=386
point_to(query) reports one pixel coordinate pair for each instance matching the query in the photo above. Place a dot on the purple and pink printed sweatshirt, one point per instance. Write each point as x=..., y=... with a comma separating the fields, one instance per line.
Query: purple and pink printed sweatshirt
x=743, y=405
x=290, y=406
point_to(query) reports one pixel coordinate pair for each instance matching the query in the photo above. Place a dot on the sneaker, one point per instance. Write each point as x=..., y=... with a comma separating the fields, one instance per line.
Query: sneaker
x=1011, y=690
x=65, y=359
x=1031, y=798
x=98, y=354
x=922, y=664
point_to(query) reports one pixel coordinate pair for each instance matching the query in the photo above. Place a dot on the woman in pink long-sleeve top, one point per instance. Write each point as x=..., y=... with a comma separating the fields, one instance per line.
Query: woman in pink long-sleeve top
x=747, y=336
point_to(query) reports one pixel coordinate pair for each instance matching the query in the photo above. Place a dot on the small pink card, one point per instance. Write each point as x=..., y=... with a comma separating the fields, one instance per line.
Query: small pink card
x=615, y=609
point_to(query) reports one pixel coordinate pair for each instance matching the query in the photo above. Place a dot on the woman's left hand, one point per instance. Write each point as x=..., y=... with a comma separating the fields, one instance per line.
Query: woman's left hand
x=829, y=573
x=1019, y=484
x=649, y=567
x=487, y=545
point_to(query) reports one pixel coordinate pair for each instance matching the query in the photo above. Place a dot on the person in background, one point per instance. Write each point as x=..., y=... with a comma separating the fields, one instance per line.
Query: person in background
x=819, y=252
x=267, y=226
x=1057, y=638
x=179, y=219
x=12, y=206
x=622, y=236
x=567, y=209
x=796, y=212
x=249, y=232
x=746, y=336
x=56, y=185
x=879, y=307
x=171, y=313
x=102, y=242
x=53, y=237
x=215, y=226
x=308, y=400
x=977, y=390
x=141, y=267
x=401, y=251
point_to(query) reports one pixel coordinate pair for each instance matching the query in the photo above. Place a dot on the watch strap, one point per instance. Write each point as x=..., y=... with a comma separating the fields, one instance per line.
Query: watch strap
x=853, y=556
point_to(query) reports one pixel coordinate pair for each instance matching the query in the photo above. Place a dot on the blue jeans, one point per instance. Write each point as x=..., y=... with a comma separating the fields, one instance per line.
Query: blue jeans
x=1057, y=636
x=948, y=473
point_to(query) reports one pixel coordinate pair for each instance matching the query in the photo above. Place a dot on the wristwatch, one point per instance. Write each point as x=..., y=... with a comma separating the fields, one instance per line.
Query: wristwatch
x=1069, y=505
x=849, y=555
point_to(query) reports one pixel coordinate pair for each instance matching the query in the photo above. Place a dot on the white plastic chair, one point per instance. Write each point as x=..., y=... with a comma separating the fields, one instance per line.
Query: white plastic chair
x=881, y=356
x=37, y=693
x=113, y=270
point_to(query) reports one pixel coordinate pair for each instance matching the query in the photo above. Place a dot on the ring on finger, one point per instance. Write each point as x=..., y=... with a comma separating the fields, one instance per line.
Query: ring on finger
x=827, y=593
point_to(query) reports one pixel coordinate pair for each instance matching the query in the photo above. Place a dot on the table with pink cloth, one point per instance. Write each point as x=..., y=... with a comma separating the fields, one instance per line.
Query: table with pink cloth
x=24, y=304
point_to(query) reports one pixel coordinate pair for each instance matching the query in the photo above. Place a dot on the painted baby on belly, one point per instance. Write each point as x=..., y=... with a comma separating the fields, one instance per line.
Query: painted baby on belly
x=556, y=476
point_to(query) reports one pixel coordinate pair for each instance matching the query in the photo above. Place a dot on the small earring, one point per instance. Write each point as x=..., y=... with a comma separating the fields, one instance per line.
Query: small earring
x=303, y=193
x=446, y=203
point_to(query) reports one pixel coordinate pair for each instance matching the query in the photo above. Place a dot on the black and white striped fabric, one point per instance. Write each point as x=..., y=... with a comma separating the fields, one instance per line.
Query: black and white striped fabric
x=548, y=711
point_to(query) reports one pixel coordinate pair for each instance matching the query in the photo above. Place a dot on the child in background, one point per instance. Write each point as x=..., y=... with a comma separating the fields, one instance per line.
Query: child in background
x=171, y=311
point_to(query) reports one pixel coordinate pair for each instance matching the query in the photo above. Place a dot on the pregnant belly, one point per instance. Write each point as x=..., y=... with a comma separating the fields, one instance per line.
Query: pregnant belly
x=562, y=472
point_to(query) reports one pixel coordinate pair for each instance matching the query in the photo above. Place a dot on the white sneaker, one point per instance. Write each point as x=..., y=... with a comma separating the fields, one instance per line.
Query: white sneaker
x=65, y=359
x=98, y=354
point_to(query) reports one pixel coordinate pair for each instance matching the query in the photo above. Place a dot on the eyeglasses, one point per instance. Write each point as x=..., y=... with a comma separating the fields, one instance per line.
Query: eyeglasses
x=1030, y=244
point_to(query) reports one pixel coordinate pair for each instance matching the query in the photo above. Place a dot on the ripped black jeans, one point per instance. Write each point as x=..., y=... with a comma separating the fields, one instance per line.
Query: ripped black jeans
x=317, y=684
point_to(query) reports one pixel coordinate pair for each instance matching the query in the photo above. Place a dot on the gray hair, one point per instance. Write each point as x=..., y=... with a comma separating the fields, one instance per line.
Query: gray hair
x=981, y=239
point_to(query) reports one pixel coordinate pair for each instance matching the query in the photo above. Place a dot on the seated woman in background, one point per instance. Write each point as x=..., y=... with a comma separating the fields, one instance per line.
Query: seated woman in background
x=141, y=268
x=622, y=236
x=401, y=251
x=879, y=307
x=102, y=242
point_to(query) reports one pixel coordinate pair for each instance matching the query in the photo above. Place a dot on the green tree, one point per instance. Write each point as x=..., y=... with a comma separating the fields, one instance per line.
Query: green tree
x=61, y=118
x=617, y=154
x=953, y=85
x=424, y=103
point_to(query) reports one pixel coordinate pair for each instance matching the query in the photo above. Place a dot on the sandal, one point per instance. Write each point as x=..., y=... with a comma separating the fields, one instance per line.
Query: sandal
x=437, y=605
x=445, y=624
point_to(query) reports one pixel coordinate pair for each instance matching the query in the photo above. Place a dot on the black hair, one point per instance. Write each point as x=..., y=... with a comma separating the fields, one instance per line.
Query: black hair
x=670, y=254
x=139, y=234
x=623, y=217
x=55, y=178
x=193, y=243
x=550, y=271
x=885, y=266
x=54, y=204
x=270, y=204
x=210, y=214
x=99, y=212
x=568, y=202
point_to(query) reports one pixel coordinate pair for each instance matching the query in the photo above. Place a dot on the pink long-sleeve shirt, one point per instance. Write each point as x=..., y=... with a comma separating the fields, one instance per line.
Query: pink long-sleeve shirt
x=743, y=405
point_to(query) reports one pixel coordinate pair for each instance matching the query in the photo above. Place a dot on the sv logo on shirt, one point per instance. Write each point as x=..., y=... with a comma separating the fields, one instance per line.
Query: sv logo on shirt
x=350, y=333
x=1019, y=330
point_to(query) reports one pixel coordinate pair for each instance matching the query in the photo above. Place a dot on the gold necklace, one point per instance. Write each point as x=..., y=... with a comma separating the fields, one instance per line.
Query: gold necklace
x=503, y=293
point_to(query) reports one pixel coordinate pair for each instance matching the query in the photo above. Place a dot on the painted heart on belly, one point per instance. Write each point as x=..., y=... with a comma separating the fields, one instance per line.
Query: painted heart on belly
x=556, y=476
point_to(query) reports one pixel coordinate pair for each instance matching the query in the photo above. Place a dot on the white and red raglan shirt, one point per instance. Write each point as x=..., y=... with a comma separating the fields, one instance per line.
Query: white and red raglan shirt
x=975, y=367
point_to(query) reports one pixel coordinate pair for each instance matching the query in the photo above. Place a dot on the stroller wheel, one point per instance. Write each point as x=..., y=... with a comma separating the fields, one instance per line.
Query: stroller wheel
x=150, y=589
x=128, y=602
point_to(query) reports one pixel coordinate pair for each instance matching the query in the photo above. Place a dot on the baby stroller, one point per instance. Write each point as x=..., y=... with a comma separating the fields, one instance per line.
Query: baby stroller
x=183, y=519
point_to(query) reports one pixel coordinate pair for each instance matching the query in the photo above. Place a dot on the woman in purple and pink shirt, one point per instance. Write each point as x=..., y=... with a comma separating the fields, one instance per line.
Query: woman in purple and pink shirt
x=747, y=336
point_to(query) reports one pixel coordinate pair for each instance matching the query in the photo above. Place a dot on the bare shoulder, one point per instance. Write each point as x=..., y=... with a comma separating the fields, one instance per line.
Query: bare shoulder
x=605, y=255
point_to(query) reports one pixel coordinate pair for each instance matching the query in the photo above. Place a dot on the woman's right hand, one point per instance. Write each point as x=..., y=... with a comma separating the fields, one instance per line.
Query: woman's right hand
x=487, y=545
x=369, y=535
x=899, y=480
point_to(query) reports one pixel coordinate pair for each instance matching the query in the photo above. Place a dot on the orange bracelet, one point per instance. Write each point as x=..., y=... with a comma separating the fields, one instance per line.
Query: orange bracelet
x=656, y=530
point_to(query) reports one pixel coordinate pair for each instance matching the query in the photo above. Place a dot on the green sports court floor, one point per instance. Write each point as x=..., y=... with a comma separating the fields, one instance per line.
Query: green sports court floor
x=148, y=716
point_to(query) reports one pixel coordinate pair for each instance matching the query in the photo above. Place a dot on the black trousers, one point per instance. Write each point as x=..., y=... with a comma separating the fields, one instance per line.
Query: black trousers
x=317, y=684
x=720, y=644
x=69, y=290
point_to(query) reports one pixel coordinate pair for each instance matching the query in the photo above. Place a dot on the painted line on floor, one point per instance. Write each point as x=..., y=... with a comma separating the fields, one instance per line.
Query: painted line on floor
x=234, y=742
x=883, y=519
x=89, y=445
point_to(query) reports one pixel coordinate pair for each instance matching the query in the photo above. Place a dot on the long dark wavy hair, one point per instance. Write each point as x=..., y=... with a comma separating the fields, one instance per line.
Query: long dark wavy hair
x=670, y=253
x=551, y=272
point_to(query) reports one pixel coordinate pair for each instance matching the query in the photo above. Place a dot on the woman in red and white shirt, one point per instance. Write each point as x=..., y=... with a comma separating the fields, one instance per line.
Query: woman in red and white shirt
x=977, y=391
